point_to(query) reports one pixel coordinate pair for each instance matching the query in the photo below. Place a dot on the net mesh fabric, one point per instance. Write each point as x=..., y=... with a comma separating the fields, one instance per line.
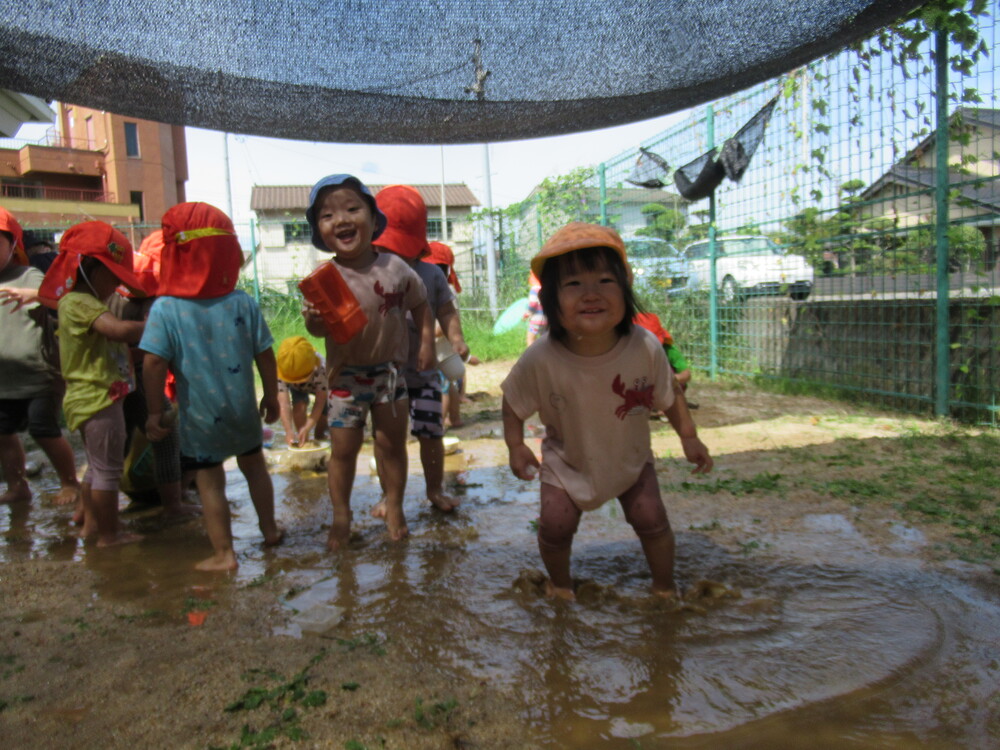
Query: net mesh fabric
x=414, y=71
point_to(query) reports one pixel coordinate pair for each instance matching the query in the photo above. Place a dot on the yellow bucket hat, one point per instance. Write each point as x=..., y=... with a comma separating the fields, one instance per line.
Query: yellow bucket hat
x=296, y=359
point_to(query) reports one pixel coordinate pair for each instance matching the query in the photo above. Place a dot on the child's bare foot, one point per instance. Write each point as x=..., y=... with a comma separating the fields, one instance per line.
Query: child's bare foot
x=68, y=494
x=88, y=528
x=378, y=509
x=17, y=492
x=121, y=537
x=275, y=537
x=338, y=537
x=221, y=561
x=556, y=592
x=443, y=502
x=181, y=510
x=669, y=595
x=79, y=514
x=395, y=523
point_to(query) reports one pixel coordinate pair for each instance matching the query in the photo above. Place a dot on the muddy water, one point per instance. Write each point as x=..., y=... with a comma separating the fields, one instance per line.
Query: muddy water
x=821, y=638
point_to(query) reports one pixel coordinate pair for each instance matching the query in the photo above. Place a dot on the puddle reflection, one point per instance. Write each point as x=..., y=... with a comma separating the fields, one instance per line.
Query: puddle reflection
x=801, y=649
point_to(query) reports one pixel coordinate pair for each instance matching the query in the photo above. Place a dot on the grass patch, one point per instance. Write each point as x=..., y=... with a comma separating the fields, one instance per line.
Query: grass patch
x=283, y=701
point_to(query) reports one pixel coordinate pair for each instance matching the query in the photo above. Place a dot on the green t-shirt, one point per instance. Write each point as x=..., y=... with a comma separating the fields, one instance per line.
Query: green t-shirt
x=677, y=360
x=98, y=371
x=29, y=365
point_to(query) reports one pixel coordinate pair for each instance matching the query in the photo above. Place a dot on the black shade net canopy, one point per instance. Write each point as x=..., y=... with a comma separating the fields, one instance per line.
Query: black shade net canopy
x=414, y=71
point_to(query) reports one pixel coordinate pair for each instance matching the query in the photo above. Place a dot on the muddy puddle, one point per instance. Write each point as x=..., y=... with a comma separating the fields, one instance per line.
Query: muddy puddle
x=823, y=637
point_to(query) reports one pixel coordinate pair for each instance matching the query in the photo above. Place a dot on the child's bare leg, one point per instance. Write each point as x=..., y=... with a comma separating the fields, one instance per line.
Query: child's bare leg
x=104, y=510
x=215, y=508
x=172, y=498
x=82, y=515
x=60, y=455
x=390, y=455
x=644, y=511
x=12, y=461
x=557, y=524
x=345, y=443
x=432, y=460
x=254, y=470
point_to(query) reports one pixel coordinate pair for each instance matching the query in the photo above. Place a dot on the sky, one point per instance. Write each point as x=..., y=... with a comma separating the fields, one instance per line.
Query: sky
x=515, y=166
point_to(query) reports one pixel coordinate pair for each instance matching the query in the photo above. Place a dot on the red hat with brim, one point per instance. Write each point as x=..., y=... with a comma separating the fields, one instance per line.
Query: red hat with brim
x=441, y=255
x=201, y=256
x=94, y=239
x=405, y=232
x=9, y=224
x=146, y=262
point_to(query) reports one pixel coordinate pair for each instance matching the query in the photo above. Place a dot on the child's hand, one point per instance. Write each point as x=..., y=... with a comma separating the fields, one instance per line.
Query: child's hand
x=269, y=409
x=523, y=462
x=461, y=349
x=426, y=359
x=17, y=297
x=155, y=431
x=696, y=453
x=314, y=321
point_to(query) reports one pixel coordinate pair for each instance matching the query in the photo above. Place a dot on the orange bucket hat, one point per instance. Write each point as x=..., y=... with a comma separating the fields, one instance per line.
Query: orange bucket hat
x=95, y=239
x=201, y=256
x=441, y=255
x=146, y=262
x=578, y=235
x=9, y=224
x=406, y=214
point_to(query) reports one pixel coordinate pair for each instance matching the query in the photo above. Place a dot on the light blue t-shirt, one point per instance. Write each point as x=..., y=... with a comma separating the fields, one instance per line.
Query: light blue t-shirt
x=211, y=345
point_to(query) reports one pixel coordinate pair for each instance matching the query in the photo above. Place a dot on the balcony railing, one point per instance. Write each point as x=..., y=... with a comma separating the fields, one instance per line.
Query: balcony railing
x=44, y=192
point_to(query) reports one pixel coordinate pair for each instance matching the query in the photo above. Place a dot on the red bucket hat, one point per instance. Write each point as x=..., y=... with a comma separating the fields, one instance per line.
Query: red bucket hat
x=201, y=256
x=95, y=239
x=406, y=231
x=9, y=224
x=146, y=262
x=441, y=255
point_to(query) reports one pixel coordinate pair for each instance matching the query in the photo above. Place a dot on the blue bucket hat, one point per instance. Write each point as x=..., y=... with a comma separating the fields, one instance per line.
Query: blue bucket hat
x=339, y=180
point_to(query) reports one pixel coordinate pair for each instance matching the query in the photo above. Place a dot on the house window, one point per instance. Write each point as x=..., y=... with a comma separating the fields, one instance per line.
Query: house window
x=132, y=139
x=434, y=229
x=135, y=198
x=90, y=132
x=297, y=231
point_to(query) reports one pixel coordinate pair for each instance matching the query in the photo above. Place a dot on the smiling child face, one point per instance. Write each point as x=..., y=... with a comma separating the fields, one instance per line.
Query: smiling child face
x=346, y=225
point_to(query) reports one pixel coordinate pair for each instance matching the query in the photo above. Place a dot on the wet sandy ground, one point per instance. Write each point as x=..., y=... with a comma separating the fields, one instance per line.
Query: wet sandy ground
x=827, y=623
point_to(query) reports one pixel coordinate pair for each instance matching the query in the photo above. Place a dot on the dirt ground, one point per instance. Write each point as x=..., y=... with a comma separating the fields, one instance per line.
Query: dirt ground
x=84, y=669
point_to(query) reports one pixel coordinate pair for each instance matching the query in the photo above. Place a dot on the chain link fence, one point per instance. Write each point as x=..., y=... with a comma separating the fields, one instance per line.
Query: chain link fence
x=801, y=231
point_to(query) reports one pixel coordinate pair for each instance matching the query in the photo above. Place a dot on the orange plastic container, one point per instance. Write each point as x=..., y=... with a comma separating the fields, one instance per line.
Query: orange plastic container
x=326, y=290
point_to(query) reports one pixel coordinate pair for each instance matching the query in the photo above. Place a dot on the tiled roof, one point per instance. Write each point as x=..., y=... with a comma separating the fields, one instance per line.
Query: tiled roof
x=296, y=197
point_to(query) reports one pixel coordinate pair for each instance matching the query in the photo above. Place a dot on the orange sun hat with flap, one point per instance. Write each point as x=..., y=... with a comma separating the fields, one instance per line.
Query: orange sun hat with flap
x=94, y=239
x=578, y=235
x=146, y=262
x=441, y=255
x=201, y=256
x=406, y=227
x=10, y=225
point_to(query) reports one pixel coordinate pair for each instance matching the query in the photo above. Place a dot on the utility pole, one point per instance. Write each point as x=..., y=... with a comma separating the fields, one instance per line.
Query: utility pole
x=479, y=89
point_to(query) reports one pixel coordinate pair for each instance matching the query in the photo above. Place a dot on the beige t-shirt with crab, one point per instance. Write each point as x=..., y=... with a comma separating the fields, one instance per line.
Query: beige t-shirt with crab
x=386, y=290
x=595, y=411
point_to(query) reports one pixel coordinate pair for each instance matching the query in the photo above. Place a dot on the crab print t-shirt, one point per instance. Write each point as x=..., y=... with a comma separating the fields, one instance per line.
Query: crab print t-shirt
x=386, y=290
x=595, y=411
x=211, y=345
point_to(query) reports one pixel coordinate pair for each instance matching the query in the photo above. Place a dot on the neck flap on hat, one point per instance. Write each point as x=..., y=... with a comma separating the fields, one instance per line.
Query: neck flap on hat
x=201, y=256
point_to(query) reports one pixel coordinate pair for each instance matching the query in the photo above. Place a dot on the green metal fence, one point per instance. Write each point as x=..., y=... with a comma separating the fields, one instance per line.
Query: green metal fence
x=841, y=257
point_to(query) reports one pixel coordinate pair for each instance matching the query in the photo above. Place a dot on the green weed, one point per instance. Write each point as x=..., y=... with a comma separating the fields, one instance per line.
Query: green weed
x=429, y=718
x=368, y=640
x=283, y=700
x=758, y=483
